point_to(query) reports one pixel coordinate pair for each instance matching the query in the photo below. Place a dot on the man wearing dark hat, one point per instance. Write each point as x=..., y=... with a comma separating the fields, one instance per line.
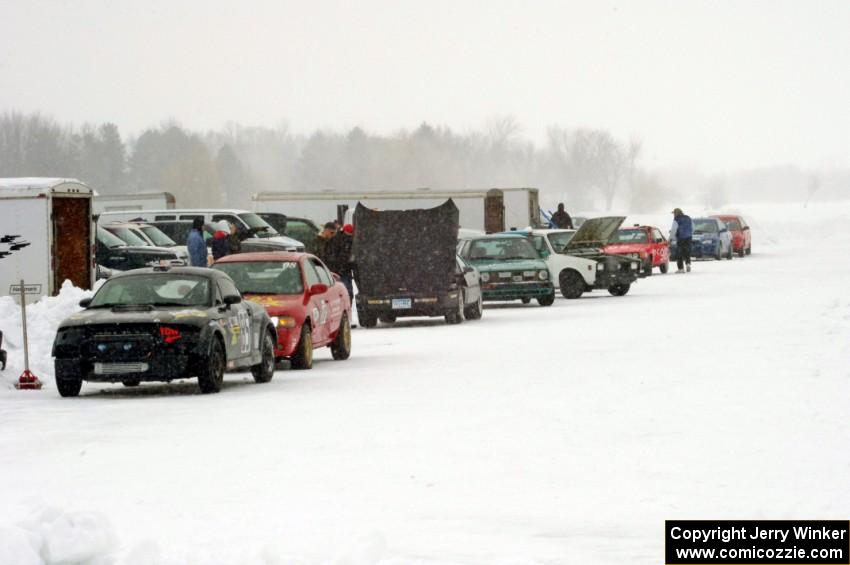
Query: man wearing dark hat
x=682, y=233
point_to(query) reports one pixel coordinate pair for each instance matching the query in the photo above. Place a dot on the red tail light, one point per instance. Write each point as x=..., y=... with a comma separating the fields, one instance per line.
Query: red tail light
x=169, y=335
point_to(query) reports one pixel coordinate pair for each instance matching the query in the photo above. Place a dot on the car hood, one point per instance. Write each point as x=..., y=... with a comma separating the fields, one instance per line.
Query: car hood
x=594, y=233
x=89, y=316
x=277, y=304
x=512, y=265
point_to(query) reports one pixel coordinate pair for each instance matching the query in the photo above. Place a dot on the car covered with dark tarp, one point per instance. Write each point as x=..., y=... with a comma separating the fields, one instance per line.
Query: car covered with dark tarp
x=406, y=265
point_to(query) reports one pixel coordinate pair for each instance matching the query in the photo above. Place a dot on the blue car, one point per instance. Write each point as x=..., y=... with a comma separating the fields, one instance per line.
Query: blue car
x=711, y=239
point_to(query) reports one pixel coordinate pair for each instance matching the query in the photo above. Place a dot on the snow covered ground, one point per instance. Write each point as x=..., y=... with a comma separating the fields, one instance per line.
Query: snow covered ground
x=537, y=435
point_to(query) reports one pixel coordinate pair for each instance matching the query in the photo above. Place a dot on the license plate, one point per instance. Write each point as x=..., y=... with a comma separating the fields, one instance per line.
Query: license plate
x=402, y=303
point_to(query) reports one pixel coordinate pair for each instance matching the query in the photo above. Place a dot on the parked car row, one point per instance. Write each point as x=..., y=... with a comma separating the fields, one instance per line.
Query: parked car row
x=256, y=310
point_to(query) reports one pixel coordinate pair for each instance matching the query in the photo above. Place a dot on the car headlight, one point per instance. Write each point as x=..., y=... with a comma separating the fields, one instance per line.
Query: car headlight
x=485, y=277
x=600, y=266
x=543, y=275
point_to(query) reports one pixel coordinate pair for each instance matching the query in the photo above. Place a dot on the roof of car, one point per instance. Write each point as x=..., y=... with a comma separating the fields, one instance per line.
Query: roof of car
x=262, y=256
x=167, y=270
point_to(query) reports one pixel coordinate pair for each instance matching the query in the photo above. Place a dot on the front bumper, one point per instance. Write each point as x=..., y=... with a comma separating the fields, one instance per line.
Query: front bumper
x=516, y=290
x=409, y=304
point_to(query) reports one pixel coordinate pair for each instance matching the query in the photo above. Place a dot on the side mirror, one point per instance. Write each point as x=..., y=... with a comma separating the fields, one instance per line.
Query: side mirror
x=84, y=303
x=318, y=288
x=231, y=299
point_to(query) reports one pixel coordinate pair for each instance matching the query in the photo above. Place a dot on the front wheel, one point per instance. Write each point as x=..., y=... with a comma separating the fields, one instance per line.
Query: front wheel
x=547, y=300
x=572, y=285
x=475, y=311
x=341, y=346
x=619, y=289
x=264, y=371
x=303, y=358
x=68, y=384
x=211, y=375
x=455, y=316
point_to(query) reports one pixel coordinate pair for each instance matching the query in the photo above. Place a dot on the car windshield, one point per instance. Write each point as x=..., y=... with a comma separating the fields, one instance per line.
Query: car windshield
x=733, y=225
x=110, y=240
x=630, y=236
x=157, y=237
x=264, y=277
x=127, y=235
x=705, y=226
x=259, y=226
x=156, y=289
x=504, y=249
x=559, y=240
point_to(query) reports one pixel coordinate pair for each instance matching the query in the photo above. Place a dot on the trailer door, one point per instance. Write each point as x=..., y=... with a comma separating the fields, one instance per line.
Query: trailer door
x=71, y=251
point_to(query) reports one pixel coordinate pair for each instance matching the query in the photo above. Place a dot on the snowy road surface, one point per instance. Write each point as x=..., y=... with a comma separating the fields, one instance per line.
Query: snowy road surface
x=537, y=435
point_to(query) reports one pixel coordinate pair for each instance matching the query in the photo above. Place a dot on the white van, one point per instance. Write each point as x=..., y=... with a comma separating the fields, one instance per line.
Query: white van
x=247, y=222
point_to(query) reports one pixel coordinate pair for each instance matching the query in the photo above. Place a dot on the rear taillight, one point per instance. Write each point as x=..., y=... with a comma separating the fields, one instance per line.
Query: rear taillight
x=169, y=335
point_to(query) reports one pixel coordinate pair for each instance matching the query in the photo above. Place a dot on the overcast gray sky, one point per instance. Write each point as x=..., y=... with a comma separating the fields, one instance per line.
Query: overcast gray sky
x=719, y=85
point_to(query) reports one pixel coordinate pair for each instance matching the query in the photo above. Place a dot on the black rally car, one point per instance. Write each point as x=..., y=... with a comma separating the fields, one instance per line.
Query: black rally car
x=161, y=324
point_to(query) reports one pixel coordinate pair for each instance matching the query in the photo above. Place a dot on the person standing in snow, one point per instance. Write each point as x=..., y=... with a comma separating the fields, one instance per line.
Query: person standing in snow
x=196, y=245
x=338, y=256
x=562, y=219
x=320, y=244
x=221, y=240
x=681, y=233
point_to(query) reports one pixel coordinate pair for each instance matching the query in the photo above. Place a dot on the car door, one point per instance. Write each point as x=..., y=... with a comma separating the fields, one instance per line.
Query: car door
x=240, y=323
x=317, y=308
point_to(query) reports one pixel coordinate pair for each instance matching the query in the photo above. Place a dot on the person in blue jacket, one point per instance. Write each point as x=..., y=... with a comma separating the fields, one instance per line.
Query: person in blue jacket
x=682, y=233
x=197, y=246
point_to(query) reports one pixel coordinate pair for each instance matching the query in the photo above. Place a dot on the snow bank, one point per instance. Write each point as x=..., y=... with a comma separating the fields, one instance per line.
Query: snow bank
x=43, y=318
x=49, y=536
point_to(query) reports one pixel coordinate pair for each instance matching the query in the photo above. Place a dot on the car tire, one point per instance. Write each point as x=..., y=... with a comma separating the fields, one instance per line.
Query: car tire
x=619, y=289
x=131, y=382
x=367, y=319
x=68, y=384
x=572, y=285
x=341, y=346
x=475, y=311
x=388, y=318
x=303, y=358
x=547, y=300
x=264, y=371
x=664, y=267
x=455, y=316
x=211, y=375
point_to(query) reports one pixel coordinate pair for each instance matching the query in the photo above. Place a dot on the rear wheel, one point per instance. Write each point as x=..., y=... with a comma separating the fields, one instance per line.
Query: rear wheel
x=303, y=358
x=455, y=316
x=572, y=285
x=67, y=383
x=547, y=300
x=341, y=346
x=474, y=311
x=619, y=289
x=211, y=375
x=264, y=371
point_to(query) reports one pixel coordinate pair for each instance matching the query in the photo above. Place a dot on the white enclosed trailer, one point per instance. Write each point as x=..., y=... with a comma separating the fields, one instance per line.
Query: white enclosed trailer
x=137, y=201
x=490, y=210
x=46, y=235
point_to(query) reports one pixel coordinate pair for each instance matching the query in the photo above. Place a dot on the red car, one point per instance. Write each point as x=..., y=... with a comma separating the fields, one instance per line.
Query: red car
x=306, y=302
x=742, y=240
x=646, y=243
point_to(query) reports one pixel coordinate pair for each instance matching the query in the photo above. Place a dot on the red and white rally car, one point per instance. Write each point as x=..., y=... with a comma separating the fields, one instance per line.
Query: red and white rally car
x=742, y=242
x=307, y=304
x=646, y=243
